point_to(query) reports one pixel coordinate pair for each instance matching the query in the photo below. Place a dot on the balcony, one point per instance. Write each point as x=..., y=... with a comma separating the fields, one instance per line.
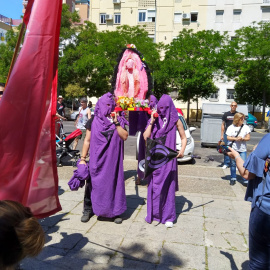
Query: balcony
x=148, y=26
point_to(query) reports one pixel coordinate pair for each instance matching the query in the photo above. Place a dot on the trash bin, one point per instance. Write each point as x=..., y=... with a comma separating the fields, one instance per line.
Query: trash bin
x=212, y=120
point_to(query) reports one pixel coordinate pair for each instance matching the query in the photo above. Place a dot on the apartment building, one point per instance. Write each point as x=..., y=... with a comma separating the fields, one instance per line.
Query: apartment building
x=164, y=19
x=161, y=19
x=5, y=25
x=83, y=8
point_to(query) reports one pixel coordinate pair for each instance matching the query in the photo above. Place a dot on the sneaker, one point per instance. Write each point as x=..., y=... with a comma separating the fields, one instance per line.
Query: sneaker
x=232, y=182
x=245, y=183
x=118, y=220
x=168, y=224
x=225, y=167
x=86, y=216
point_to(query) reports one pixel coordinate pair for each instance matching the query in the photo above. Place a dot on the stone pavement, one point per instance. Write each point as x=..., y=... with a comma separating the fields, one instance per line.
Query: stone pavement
x=211, y=230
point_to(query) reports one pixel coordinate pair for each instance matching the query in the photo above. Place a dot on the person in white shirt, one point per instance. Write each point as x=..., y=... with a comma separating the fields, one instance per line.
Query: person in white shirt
x=238, y=134
x=84, y=115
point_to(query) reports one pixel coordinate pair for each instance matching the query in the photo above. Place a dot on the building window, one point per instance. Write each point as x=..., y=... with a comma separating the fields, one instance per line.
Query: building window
x=230, y=94
x=214, y=96
x=151, y=15
x=266, y=13
x=102, y=18
x=193, y=16
x=117, y=18
x=142, y=15
x=237, y=15
x=177, y=17
x=219, y=16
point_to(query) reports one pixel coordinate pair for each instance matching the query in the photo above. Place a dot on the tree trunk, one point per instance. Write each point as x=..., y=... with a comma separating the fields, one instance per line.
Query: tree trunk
x=263, y=112
x=197, y=109
x=253, y=109
x=188, y=103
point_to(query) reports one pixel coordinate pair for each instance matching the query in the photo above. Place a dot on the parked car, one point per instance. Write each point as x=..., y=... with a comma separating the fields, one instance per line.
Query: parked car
x=251, y=122
x=75, y=114
x=190, y=141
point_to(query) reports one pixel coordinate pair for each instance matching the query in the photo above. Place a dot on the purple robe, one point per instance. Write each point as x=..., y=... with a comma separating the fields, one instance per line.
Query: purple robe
x=143, y=119
x=106, y=161
x=164, y=181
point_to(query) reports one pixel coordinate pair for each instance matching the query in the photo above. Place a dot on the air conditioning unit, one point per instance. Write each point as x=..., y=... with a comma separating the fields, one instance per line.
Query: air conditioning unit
x=109, y=17
x=116, y=1
x=186, y=16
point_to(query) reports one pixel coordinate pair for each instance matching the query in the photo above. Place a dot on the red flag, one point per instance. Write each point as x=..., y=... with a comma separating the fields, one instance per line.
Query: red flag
x=28, y=171
x=28, y=11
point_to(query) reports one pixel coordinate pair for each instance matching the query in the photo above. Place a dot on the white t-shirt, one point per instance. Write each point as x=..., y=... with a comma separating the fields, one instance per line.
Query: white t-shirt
x=232, y=131
x=82, y=118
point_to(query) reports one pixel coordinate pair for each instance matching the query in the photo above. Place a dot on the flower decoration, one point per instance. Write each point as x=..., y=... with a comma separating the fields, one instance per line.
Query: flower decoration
x=124, y=102
x=131, y=46
x=141, y=103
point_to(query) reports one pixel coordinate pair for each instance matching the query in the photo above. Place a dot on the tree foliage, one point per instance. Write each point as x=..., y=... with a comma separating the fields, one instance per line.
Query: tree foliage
x=248, y=63
x=192, y=62
x=6, y=53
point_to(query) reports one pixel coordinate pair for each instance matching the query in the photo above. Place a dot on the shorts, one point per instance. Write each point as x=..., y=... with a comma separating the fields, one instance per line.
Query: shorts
x=82, y=136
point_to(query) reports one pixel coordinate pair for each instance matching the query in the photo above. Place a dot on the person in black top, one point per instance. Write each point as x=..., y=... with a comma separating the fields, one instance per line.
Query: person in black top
x=60, y=106
x=227, y=120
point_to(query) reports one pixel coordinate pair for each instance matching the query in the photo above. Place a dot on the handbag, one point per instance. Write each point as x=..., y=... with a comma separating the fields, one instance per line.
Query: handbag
x=221, y=144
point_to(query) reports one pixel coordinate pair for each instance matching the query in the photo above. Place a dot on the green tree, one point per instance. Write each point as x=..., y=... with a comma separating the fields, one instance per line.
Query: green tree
x=6, y=53
x=68, y=29
x=249, y=64
x=191, y=63
x=90, y=60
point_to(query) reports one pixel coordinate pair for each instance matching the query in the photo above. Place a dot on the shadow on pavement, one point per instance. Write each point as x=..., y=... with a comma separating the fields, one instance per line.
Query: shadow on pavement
x=233, y=264
x=128, y=174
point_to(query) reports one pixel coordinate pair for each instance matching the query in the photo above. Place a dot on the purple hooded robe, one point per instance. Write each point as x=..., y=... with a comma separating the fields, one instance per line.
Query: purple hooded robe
x=143, y=118
x=106, y=161
x=164, y=181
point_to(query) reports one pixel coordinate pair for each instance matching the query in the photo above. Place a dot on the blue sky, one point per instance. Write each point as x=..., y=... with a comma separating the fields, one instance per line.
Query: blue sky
x=11, y=8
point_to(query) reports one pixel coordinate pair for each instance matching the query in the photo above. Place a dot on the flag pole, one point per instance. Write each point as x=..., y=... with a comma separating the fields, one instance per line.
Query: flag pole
x=16, y=51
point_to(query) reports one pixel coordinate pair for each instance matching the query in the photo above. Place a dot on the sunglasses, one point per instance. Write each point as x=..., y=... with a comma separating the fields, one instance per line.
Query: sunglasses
x=233, y=105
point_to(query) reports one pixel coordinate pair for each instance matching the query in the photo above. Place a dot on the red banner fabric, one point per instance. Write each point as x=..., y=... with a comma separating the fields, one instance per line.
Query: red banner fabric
x=28, y=171
x=28, y=11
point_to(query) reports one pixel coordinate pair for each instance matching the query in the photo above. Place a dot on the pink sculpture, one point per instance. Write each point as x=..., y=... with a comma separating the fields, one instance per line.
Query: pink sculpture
x=131, y=78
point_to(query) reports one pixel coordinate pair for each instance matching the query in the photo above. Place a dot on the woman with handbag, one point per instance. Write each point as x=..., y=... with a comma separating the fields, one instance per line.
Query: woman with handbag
x=238, y=134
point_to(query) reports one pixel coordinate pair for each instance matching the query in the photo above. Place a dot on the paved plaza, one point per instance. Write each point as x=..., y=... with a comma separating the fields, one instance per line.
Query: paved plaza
x=211, y=230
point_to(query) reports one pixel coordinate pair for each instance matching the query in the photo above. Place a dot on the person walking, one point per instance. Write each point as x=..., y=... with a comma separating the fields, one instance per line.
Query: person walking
x=164, y=181
x=84, y=115
x=105, y=136
x=256, y=170
x=238, y=133
x=227, y=120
